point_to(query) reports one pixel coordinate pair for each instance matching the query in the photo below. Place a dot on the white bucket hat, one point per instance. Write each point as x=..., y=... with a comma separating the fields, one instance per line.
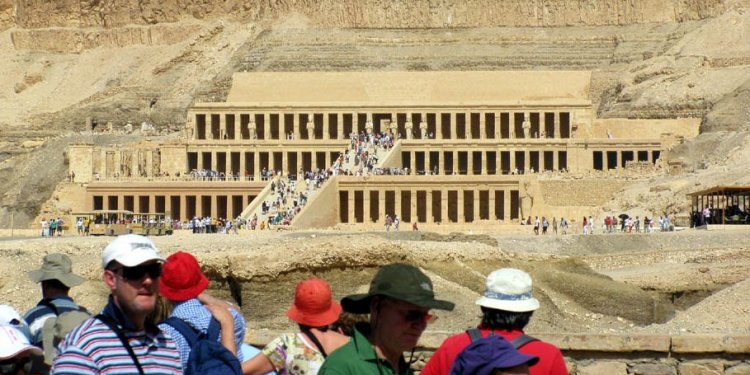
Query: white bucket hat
x=508, y=289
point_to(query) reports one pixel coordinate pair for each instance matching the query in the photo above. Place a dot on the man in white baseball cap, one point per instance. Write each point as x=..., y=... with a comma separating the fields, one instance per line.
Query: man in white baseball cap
x=15, y=351
x=132, y=267
x=507, y=305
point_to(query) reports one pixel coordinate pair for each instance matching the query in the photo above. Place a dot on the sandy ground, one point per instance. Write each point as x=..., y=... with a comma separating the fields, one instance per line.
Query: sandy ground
x=688, y=281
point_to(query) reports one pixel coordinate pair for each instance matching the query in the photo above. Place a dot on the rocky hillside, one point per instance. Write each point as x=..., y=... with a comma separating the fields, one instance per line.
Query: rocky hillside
x=117, y=61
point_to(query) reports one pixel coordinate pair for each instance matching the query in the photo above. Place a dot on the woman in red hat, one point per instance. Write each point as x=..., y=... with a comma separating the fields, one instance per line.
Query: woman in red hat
x=302, y=353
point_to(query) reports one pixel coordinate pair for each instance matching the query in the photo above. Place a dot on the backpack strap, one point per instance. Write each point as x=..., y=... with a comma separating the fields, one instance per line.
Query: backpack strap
x=187, y=331
x=522, y=340
x=475, y=334
x=113, y=326
x=51, y=305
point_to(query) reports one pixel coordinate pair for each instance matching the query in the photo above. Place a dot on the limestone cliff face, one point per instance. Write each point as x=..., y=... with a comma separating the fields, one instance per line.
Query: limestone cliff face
x=359, y=13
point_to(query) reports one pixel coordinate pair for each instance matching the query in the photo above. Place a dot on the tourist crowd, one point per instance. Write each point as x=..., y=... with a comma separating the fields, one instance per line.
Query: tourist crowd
x=159, y=319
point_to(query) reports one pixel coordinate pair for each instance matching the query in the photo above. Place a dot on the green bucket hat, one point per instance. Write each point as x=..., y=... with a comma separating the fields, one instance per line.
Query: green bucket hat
x=399, y=281
x=57, y=267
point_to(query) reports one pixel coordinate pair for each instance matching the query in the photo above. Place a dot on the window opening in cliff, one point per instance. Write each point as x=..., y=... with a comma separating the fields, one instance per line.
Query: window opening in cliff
x=598, y=160
x=490, y=127
x=483, y=210
x=206, y=160
x=245, y=126
x=463, y=162
x=278, y=158
x=221, y=206
x=128, y=203
x=492, y=162
x=515, y=205
x=476, y=162
x=655, y=155
x=206, y=206
x=520, y=161
x=642, y=155
x=381, y=122
x=234, y=161
x=288, y=124
x=627, y=156
x=320, y=157
x=390, y=202
x=98, y=202
x=250, y=164
x=112, y=202
x=230, y=127
x=160, y=204
x=452, y=206
x=174, y=204
x=437, y=205
x=419, y=167
x=549, y=157
x=406, y=159
x=406, y=205
x=422, y=206
x=361, y=122
x=416, y=120
x=200, y=124
x=275, y=126
x=191, y=206
x=518, y=125
x=318, y=123
x=260, y=128
x=215, y=127
x=506, y=128
x=505, y=167
x=333, y=126
x=263, y=160
x=144, y=204
x=474, y=131
x=535, y=126
x=534, y=160
x=291, y=158
x=611, y=159
x=306, y=161
x=549, y=125
x=445, y=122
x=344, y=206
x=564, y=124
x=431, y=125
x=460, y=126
x=435, y=161
x=221, y=162
x=562, y=160
x=468, y=206
x=237, y=206
x=448, y=157
x=499, y=205
x=401, y=125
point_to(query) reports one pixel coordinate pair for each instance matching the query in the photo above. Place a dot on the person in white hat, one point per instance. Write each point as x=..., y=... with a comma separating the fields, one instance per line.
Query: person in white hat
x=56, y=278
x=120, y=339
x=15, y=351
x=507, y=306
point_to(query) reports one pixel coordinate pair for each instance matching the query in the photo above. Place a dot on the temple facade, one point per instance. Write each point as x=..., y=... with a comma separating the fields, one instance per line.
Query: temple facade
x=469, y=146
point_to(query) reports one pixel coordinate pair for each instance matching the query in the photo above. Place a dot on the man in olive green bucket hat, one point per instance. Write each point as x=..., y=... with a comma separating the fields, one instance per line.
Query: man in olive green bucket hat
x=399, y=302
x=56, y=277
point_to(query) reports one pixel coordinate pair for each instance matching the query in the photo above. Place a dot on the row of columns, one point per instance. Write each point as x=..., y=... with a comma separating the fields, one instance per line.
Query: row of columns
x=414, y=125
x=353, y=205
x=612, y=159
x=500, y=158
x=177, y=205
x=318, y=159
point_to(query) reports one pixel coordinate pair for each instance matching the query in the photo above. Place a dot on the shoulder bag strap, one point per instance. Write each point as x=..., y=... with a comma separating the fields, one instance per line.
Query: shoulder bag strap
x=522, y=340
x=113, y=326
x=187, y=331
x=475, y=334
x=51, y=306
x=315, y=341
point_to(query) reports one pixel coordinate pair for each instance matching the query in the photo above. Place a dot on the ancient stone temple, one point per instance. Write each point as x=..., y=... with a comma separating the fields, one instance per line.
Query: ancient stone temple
x=468, y=146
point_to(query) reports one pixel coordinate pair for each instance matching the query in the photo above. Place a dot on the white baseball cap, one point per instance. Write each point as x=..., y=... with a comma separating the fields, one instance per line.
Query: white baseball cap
x=14, y=342
x=508, y=289
x=130, y=250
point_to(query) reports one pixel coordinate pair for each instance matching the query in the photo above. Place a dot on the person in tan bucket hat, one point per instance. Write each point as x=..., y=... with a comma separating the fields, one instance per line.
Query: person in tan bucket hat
x=56, y=278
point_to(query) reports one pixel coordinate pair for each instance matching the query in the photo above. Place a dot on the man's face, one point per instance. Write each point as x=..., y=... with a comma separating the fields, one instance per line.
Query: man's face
x=135, y=288
x=401, y=323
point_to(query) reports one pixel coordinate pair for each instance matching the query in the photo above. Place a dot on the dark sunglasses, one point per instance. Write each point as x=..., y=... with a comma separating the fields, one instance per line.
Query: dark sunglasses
x=416, y=316
x=12, y=366
x=138, y=272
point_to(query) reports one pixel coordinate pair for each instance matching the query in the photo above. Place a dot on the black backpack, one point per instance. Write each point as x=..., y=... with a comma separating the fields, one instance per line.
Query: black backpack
x=518, y=342
x=207, y=354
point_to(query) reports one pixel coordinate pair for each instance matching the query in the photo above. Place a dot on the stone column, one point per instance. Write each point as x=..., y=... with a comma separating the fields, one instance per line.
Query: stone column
x=527, y=160
x=438, y=125
x=498, y=162
x=200, y=166
x=414, y=213
x=237, y=127
x=230, y=207
x=340, y=126
x=428, y=207
x=485, y=155
x=183, y=207
x=256, y=165
x=313, y=160
x=555, y=160
x=470, y=162
x=214, y=164
x=456, y=164
x=120, y=202
x=506, y=205
x=366, y=207
x=368, y=123
x=444, y=206
x=482, y=126
x=619, y=159
x=413, y=163
x=513, y=165
x=543, y=125
x=498, y=128
x=427, y=164
x=512, y=125
x=556, y=125
x=222, y=125
x=452, y=131
x=350, y=208
x=423, y=128
x=460, y=206
x=227, y=163
x=526, y=126
x=409, y=126
x=296, y=126
x=326, y=126
x=441, y=170
x=381, y=206
x=397, y=205
x=476, y=208
x=252, y=127
x=266, y=126
x=284, y=164
x=214, y=208
x=243, y=166
x=310, y=126
x=491, y=212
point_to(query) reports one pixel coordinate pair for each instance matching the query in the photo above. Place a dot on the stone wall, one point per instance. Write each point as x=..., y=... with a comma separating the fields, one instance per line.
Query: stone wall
x=361, y=13
x=587, y=193
x=626, y=354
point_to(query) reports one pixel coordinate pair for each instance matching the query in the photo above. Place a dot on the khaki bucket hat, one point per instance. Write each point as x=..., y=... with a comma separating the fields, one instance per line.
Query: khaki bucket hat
x=57, y=267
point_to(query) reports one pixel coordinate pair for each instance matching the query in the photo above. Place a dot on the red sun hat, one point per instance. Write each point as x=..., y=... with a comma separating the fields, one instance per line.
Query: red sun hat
x=313, y=304
x=181, y=277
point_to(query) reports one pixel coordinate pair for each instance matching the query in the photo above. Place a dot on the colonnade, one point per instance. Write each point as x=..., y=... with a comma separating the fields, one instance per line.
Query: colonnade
x=181, y=206
x=454, y=205
x=252, y=163
x=219, y=125
x=613, y=159
x=484, y=161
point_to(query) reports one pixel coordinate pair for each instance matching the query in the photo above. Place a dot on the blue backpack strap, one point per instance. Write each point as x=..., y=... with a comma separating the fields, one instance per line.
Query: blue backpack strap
x=522, y=340
x=475, y=334
x=214, y=330
x=187, y=331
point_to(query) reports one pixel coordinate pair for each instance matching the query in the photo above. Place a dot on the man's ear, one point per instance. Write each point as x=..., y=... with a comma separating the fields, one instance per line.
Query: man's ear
x=109, y=279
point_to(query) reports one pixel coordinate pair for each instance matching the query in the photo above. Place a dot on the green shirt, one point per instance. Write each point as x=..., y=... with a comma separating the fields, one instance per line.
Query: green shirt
x=358, y=358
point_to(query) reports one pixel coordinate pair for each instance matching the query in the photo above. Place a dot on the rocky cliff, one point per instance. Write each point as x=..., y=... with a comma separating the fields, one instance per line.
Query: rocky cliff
x=32, y=14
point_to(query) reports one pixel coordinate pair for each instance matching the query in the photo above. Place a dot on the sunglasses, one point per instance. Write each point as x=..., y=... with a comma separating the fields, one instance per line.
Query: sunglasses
x=138, y=272
x=416, y=316
x=12, y=366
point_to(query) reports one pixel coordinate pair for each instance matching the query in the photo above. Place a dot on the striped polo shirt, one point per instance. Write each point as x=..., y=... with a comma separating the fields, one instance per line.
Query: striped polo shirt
x=36, y=317
x=93, y=348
